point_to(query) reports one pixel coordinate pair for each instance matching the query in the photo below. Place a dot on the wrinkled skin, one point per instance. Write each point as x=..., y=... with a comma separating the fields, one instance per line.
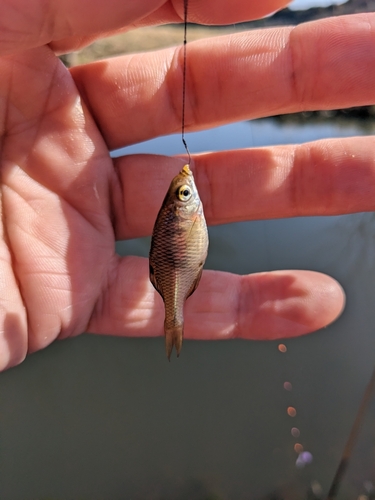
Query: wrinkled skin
x=64, y=201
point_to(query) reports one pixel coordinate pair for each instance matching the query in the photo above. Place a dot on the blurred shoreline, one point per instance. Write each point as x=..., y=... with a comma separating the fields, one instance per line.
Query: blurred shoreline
x=145, y=40
x=158, y=37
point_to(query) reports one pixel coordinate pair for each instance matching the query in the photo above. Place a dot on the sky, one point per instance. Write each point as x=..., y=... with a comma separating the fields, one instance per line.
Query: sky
x=306, y=4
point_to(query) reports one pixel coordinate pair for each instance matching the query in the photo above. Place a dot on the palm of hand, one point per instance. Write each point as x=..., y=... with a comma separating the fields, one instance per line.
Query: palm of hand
x=64, y=201
x=57, y=248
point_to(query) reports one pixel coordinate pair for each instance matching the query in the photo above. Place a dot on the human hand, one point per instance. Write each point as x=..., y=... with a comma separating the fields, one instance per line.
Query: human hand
x=64, y=201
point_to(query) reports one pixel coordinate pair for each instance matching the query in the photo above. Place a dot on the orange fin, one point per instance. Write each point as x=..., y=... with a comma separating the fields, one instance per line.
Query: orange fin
x=173, y=337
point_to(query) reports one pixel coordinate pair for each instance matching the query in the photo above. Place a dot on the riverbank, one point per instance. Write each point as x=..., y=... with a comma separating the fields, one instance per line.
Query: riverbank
x=144, y=40
x=159, y=37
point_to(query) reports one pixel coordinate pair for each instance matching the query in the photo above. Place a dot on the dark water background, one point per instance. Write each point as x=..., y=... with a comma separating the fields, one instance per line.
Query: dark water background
x=108, y=418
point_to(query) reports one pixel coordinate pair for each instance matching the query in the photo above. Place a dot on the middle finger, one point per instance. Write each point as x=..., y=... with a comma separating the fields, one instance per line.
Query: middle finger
x=327, y=177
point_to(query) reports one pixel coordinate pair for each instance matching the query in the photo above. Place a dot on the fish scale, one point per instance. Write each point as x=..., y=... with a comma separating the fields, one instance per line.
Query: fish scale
x=178, y=251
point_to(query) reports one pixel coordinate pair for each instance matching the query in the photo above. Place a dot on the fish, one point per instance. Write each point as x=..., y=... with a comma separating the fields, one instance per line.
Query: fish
x=179, y=247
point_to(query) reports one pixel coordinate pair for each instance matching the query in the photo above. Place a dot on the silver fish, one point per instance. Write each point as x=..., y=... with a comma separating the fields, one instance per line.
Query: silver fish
x=178, y=251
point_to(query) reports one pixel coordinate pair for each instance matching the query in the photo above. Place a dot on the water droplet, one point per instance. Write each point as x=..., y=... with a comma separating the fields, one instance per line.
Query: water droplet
x=291, y=411
x=316, y=488
x=368, y=486
x=282, y=348
x=298, y=448
x=304, y=458
x=295, y=432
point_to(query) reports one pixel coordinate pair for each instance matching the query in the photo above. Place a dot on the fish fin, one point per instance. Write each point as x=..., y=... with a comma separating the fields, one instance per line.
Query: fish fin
x=153, y=280
x=194, y=286
x=173, y=337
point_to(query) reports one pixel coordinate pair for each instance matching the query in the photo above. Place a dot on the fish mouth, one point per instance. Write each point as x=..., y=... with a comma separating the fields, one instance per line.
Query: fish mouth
x=186, y=170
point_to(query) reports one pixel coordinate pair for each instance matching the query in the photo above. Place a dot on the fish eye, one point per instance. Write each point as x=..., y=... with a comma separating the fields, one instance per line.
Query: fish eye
x=184, y=193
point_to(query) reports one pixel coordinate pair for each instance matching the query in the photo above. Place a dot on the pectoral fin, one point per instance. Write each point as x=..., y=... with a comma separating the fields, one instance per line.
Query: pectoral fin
x=196, y=282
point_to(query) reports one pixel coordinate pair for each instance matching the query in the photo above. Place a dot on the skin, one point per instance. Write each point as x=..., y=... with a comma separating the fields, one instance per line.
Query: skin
x=64, y=201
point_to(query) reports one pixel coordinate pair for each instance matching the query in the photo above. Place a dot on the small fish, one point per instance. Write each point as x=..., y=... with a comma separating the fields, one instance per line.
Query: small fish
x=178, y=251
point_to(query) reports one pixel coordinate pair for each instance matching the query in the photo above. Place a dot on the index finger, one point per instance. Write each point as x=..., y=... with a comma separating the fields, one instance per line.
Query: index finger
x=326, y=64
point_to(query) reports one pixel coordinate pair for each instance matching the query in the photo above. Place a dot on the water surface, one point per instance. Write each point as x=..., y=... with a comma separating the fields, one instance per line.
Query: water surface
x=93, y=418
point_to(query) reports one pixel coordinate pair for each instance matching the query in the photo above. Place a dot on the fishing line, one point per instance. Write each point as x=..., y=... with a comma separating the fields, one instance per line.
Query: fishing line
x=184, y=82
x=370, y=389
x=348, y=450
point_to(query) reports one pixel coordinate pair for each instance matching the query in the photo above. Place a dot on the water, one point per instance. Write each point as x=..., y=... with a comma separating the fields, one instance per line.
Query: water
x=93, y=418
x=308, y=4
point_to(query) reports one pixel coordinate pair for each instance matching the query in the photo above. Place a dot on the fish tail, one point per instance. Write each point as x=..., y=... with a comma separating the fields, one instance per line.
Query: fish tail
x=173, y=337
